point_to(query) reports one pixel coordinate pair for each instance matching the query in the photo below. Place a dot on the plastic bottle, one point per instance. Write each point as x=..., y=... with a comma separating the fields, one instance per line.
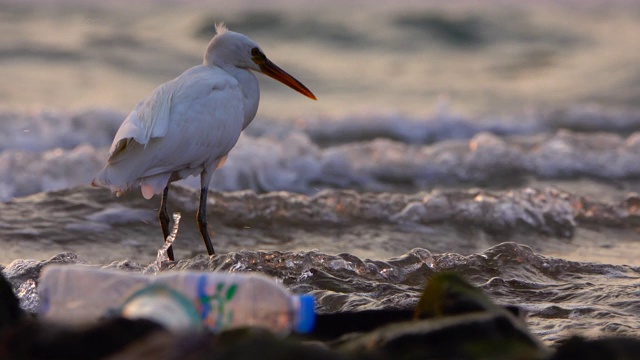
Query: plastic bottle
x=163, y=305
x=179, y=300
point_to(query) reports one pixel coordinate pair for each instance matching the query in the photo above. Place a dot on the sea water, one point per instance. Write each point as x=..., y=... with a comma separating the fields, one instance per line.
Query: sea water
x=444, y=138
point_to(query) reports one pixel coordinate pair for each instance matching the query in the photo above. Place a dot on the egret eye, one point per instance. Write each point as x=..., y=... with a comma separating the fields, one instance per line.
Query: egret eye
x=255, y=52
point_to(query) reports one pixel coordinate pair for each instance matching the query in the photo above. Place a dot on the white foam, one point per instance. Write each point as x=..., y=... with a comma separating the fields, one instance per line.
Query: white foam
x=270, y=164
x=115, y=215
x=42, y=130
x=284, y=156
x=118, y=214
x=24, y=173
x=412, y=130
x=404, y=128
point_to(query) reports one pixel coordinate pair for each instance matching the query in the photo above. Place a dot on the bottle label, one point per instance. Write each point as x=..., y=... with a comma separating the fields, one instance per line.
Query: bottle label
x=212, y=303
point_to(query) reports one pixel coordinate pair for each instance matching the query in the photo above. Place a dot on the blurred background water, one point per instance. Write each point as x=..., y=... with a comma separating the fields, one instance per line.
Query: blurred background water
x=413, y=57
x=448, y=128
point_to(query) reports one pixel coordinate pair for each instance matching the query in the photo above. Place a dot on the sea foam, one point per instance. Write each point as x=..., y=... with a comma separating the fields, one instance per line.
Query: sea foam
x=47, y=150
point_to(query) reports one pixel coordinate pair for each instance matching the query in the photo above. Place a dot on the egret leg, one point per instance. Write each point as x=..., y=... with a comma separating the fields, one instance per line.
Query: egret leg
x=163, y=216
x=201, y=218
x=201, y=215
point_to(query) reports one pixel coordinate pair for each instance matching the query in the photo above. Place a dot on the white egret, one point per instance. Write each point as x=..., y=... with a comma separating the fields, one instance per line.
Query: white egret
x=188, y=125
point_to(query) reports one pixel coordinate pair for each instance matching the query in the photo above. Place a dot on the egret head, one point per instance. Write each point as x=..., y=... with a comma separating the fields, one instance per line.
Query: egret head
x=230, y=48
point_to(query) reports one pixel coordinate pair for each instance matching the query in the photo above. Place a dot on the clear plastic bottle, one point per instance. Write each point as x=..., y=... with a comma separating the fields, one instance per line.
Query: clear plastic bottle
x=163, y=305
x=76, y=294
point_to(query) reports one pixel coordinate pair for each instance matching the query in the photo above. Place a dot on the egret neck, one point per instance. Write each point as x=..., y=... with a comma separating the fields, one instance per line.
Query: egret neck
x=250, y=90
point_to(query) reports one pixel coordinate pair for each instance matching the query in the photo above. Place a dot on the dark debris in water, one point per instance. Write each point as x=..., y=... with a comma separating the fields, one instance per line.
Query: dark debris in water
x=453, y=320
x=546, y=289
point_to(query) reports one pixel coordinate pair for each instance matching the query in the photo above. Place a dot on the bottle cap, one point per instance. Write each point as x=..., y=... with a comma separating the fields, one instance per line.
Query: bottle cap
x=306, y=314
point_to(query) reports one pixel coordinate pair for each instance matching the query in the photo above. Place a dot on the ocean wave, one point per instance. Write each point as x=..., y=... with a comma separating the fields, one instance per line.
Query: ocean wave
x=42, y=130
x=547, y=211
x=52, y=151
x=547, y=289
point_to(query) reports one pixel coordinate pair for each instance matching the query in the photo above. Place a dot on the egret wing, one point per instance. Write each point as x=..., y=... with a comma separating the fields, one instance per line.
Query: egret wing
x=184, y=128
x=149, y=119
x=206, y=118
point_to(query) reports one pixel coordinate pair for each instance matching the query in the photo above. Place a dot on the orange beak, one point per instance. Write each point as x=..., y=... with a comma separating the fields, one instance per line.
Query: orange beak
x=272, y=70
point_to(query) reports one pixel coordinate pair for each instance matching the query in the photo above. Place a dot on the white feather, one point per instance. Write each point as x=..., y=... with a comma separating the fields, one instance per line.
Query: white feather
x=183, y=128
x=188, y=125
